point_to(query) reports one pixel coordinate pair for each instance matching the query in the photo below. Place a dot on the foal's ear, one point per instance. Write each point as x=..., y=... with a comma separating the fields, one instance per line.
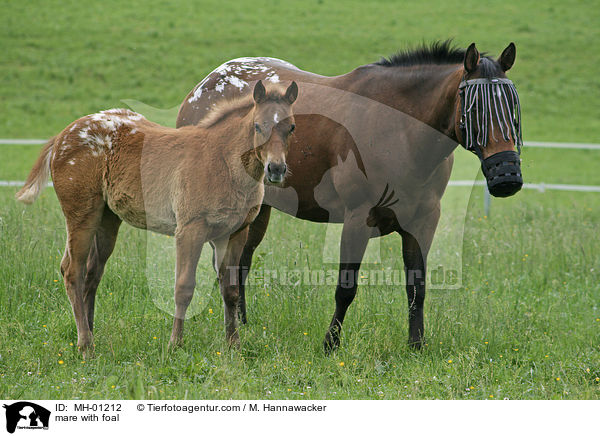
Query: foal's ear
x=259, y=92
x=507, y=58
x=471, y=58
x=292, y=93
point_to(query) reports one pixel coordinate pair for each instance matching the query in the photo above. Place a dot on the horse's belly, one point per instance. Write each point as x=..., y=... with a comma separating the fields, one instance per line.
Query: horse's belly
x=141, y=210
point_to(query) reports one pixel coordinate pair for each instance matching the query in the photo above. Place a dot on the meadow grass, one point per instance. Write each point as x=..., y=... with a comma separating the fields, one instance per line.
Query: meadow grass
x=525, y=322
x=524, y=325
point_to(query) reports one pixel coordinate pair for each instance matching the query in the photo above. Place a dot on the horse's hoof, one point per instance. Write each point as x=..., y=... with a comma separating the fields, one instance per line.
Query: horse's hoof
x=331, y=343
x=415, y=344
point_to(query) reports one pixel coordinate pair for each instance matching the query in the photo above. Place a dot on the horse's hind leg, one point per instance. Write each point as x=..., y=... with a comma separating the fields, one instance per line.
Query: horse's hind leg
x=81, y=229
x=256, y=233
x=189, y=240
x=102, y=248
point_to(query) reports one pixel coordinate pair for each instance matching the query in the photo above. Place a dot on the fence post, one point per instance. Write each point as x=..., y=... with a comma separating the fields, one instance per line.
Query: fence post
x=487, y=201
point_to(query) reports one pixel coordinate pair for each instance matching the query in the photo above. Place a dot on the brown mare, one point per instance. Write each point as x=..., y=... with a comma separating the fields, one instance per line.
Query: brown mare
x=374, y=150
x=201, y=183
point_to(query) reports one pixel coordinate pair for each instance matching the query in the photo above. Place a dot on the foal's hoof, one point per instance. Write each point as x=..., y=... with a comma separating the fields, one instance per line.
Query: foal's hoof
x=174, y=343
x=85, y=344
x=234, y=341
x=87, y=351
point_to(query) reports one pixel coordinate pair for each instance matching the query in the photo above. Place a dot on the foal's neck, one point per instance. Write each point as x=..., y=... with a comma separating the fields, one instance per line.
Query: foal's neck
x=242, y=158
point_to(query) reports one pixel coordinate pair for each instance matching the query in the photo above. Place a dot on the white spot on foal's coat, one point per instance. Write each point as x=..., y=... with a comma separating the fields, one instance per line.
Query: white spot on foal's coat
x=72, y=162
x=276, y=118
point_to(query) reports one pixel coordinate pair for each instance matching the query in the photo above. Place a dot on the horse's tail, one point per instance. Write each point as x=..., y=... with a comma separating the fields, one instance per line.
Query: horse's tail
x=36, y=181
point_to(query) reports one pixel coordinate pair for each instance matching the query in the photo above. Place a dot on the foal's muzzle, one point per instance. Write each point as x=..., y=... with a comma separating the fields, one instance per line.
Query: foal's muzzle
x=275, y=172
x=503, y=173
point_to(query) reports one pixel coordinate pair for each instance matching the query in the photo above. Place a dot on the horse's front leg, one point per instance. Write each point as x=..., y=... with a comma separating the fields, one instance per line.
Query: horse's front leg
x=229, y=251
x=415, y=246
x=414, y=268
x=256, y=233
x=189, y=239
x=355, y=237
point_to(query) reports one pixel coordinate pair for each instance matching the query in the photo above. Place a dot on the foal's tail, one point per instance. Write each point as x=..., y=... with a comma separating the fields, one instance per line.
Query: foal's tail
x=36, y=181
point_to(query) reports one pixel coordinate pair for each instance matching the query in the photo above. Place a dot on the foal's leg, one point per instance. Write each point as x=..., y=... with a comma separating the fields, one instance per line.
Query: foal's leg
x=355, y=237
x=256, y=233
x=102, y=248
x=414, y=268
x=80, y=235
x=189, y=240
x=229, y=280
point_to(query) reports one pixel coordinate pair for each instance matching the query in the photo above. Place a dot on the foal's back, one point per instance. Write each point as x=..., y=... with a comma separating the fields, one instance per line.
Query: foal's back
x=139, y=169
x=92, y=151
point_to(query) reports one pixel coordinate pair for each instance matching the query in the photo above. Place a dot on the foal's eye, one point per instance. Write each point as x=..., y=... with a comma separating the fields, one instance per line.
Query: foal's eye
x=292, y=128
x=257, y=127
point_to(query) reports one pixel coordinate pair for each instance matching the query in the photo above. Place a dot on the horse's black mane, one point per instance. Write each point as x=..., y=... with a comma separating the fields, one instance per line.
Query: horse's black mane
x=438, y=53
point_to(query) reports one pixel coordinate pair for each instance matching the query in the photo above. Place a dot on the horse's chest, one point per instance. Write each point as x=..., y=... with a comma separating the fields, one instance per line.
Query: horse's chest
x=239, y=209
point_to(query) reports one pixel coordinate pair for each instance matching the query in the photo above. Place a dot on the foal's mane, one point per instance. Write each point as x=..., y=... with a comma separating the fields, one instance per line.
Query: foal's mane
x=275, y=94
x=438, y=53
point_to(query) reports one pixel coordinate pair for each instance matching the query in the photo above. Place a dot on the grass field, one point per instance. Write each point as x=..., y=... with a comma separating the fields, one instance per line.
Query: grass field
x=525, y=324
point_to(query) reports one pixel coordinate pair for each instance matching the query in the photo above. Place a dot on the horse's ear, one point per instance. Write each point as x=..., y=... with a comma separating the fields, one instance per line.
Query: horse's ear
x=471, y=58
x=259, y=92
x=507, y=58
x=292, y=93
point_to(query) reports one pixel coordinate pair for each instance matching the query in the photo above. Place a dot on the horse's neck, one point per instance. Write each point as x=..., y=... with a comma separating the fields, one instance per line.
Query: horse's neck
x=429, y=95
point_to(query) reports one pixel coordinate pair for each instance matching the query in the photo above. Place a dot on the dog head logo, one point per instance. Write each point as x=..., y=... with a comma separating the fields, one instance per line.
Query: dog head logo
x=26, y=415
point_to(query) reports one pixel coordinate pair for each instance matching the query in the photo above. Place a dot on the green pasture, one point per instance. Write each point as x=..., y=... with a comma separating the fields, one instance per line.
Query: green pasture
x=524, y=322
